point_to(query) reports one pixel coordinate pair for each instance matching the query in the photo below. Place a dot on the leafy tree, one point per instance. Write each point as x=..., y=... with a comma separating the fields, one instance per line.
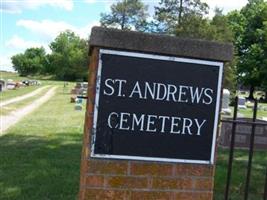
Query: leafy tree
x=249, y=27
x=220, y=31
x=171, y=14
x=126, y=14
x=186, y=18
x=220, y=27
x=68, y=60
x=264, y=69
x=32, y=61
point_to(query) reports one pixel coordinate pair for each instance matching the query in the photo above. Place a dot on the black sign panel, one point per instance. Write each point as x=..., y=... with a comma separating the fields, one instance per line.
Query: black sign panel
x=159, y=108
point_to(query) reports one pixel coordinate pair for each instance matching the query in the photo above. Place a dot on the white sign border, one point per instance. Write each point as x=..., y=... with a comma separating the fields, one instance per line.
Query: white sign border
x=156, y=57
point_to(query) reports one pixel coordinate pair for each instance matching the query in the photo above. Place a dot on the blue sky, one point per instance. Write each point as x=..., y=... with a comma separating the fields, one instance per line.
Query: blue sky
x=35, y=23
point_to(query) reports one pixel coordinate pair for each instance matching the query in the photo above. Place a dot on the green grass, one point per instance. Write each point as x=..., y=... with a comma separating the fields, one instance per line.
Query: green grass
x=40, y=156
x=45, y=80
x=239, y=174
x=5, y=110
x=11, y=75
x=249, y=112
x=9, y=94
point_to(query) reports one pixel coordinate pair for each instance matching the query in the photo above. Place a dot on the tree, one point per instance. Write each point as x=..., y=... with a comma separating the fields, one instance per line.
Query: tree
x=68, y=60
x=220, y=31
x=264, y=69
x=249, y=27
x=32, y=61
x=126, y=15
x=186, y=18
x=174, y=15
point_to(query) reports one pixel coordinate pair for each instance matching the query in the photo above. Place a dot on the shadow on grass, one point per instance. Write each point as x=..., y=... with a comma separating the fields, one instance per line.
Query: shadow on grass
x=35, y=167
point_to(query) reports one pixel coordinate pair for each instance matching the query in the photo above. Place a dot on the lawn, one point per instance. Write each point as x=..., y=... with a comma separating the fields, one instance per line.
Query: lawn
x=249, y=111
x=5, y=110
x=40, y=156
x=8, y=94
x=11, y=75
x=239, y=174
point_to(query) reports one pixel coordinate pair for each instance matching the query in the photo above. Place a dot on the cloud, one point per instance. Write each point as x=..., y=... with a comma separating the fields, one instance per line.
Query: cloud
x=5, y=62
x=50, y=29
x=16, y=42
x=90, y=1
x=226, y=5
x=17, y=6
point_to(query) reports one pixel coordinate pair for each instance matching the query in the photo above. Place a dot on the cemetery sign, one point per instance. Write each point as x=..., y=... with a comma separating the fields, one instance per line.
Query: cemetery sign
x=156, y=107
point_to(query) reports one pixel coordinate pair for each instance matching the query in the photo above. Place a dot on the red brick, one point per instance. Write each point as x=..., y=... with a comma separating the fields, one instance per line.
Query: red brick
x=184, y=196
x=193, y=196
x=201, y=170
x=99, y=194
x=127, y=182
x=203, y=196
x=172, y=183
x=107, y=167
x=94, y=181
x=143, y=195
x=204, y=184
x=193, y=170
x=153, y=169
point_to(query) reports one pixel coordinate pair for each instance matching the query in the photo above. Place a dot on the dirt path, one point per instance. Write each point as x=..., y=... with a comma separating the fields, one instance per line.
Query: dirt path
x=20, y=98
x=14, y=117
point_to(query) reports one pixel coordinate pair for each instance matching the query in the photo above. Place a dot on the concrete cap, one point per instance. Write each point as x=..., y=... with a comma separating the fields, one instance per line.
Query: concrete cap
x=159, y=44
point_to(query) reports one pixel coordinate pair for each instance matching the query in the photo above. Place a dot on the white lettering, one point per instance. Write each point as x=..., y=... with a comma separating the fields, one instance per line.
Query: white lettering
x=110, y=117
x=138, y=122
x=175, y=124
x=160, y=85
x=208, y=96
x=136, y=90
x=109, y=86
x=181, y=92
x=150, y=122
x=123, y=121
x=187, y=126
x=199, y=125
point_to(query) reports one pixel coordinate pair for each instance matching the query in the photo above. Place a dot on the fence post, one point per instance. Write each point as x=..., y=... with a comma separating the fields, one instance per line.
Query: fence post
x=251, y=148
x=230, y=161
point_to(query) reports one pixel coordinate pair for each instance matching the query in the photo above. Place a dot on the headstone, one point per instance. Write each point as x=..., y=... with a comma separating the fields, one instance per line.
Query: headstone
x=242, y=103
x=2, y=85
x=78, y=103
x=78, y=107
x=79, y=100
x=152, y=115
x=225, y=102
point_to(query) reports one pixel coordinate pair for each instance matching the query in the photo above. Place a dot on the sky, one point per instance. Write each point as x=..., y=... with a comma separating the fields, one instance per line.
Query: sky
x=36, y=23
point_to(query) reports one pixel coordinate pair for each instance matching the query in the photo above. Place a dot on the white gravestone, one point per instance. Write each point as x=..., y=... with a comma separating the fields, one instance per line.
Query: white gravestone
x=242, y=103
x=225, y=102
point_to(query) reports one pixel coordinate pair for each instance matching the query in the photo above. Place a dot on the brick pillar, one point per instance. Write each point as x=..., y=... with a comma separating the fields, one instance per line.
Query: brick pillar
x=141, y=180
x=132, y=180
x=108, y=179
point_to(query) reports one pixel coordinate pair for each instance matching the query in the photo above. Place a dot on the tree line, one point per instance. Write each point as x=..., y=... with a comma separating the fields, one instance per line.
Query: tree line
x=68, y=59
x=245, y=28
